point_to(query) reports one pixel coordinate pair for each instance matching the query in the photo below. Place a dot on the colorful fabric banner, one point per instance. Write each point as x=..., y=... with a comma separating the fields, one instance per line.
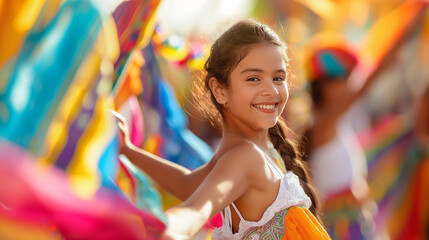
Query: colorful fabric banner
x=396, y=164
x=54, y=115
x=388, y=31
x=135, y=24
x=16, y=20
x=178, y=144
x=38, y=203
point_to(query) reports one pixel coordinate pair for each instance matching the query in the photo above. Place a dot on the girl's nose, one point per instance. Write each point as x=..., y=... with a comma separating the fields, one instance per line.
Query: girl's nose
x=269, y=89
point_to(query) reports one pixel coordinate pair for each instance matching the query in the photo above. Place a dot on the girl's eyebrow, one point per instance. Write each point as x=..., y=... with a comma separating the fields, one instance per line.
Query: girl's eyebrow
x=260, y=70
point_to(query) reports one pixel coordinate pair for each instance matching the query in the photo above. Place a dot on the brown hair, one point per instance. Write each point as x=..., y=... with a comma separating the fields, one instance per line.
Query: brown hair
x=225, y=54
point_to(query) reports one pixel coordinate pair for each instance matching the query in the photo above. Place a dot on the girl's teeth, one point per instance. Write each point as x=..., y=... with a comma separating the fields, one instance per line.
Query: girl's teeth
x=265, y=106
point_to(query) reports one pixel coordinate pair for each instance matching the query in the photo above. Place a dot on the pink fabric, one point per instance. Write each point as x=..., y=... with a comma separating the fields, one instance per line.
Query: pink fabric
x=42, y=197
x=136, y=128
x=215, y=222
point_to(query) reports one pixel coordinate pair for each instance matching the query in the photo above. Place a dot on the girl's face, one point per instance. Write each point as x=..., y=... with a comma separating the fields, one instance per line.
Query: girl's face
x=258, y=90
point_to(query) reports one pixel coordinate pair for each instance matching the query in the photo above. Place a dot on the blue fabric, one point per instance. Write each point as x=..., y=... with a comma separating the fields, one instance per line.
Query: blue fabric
x=38, y=78
x=179, y=144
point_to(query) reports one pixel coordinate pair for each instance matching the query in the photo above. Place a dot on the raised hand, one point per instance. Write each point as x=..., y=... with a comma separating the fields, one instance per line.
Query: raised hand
x=124, y=132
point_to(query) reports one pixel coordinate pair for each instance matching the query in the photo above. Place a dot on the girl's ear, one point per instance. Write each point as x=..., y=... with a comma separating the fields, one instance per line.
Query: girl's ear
x=219, y=91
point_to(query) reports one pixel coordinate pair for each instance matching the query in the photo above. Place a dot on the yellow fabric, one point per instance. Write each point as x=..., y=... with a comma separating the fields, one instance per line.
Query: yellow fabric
x=16, y=19
x=13, y=230
x=388, y=30
x=323, y=8
x=83, y=169
x=132, y=83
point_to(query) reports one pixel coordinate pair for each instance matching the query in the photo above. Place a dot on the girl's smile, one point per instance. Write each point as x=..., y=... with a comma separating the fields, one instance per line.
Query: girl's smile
x=266, y=107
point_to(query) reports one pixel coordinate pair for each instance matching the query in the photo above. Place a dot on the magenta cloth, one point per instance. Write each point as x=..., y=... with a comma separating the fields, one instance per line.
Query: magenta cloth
x=41, y=196
x=137, y=122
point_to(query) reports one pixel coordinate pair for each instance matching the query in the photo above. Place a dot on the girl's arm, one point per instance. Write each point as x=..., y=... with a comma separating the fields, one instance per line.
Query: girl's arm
x=177, y=180
x=229, y=180
x=174, y=178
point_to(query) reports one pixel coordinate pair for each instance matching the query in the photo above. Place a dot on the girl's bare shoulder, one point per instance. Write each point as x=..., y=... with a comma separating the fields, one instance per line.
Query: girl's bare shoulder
x=245, y=154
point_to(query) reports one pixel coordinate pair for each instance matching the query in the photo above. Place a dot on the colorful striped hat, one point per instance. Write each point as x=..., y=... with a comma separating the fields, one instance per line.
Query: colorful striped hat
x=329, y=57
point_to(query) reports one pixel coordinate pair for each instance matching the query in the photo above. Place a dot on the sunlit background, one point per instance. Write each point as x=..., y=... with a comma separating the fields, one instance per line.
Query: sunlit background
x=63, y=64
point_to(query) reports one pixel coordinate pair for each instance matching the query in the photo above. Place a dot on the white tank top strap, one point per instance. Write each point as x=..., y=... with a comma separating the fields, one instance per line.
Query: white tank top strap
x=226, y=217
x=238, y=212
x=276, y=168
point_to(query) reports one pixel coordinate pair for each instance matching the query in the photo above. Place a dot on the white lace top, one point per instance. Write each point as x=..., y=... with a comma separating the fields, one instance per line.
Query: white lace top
x=290, y=194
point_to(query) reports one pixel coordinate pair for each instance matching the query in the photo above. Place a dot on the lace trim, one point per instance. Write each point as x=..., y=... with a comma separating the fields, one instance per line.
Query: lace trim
x=290, y=194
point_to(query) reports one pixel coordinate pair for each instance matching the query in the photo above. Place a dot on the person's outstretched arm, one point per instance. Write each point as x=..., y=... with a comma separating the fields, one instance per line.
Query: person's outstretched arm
x=174, y=178
x=362, y=77
x=231, y=178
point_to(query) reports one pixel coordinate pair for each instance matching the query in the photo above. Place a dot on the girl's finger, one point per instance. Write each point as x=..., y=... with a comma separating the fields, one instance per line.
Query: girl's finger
x=118, y=115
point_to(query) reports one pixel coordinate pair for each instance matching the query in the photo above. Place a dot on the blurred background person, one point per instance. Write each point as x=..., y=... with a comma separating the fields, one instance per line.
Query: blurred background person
x=336, y=158
x=339, y=81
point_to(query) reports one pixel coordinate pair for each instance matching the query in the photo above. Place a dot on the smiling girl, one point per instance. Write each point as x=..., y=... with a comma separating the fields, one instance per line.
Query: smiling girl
x=255, y=178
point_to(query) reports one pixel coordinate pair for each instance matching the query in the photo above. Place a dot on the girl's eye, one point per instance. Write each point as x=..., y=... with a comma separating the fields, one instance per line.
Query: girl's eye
x=278, y=79
x=253, y=79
